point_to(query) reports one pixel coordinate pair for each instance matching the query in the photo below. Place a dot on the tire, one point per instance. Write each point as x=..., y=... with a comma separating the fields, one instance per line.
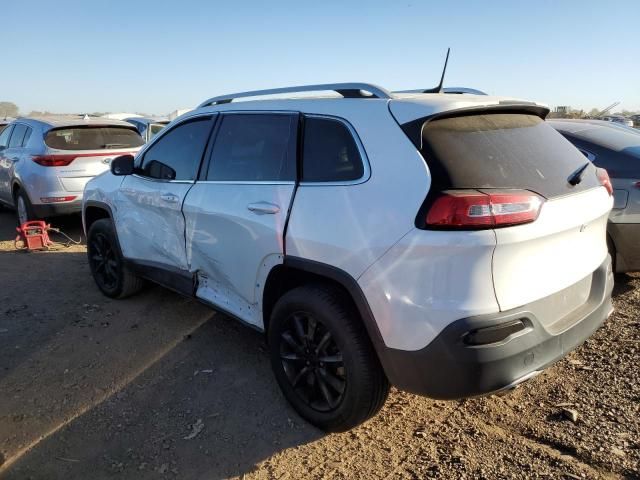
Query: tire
x=107, y=265
x=24, y=209
x=612, y=251
x=335, y=384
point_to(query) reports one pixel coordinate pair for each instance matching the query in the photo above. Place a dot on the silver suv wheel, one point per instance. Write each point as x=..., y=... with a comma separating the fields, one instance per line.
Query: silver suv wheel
x=23, y=216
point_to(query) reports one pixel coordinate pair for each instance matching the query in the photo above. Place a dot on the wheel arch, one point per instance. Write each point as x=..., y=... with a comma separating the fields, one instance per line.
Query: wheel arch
x=296, y=271
x=93, y=211
x=15, y=187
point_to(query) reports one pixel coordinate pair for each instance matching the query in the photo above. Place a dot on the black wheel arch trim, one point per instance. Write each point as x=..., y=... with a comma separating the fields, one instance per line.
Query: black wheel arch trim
x=107, y=208
x=352, y=287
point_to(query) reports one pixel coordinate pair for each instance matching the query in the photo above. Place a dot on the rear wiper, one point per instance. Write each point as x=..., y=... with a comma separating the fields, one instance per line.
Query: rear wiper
x=576, y=177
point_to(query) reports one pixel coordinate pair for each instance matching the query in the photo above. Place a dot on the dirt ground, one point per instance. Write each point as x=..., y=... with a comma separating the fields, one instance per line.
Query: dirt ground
x=159, y=386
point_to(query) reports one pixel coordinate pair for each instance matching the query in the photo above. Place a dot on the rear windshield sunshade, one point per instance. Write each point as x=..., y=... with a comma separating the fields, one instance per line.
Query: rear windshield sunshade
x=93, y=138
x=502, y=150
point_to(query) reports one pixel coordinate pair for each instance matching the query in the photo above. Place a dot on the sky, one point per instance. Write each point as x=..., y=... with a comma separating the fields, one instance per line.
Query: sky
x=159, y=56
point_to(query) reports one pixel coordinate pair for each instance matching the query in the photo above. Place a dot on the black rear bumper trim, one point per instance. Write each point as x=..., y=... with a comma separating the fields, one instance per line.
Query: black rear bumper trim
x=449, y=369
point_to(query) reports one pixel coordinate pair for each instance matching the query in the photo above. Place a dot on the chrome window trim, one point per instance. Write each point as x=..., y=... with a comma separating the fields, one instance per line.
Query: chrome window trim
x=247, y=182
x=159, y=180
x=366, y=174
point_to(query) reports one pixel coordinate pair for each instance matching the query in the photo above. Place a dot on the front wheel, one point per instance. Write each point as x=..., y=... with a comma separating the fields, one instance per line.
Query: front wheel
x=323, y=359
x=107, y=265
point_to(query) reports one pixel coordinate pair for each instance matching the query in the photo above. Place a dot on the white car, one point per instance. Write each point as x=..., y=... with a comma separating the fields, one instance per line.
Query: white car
x=452, y=245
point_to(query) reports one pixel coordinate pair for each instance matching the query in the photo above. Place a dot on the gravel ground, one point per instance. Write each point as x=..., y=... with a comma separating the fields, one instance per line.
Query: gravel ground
x=158, y=386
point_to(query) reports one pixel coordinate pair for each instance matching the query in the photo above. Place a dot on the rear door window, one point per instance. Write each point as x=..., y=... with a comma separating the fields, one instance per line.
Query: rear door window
x=18, y=135
x=4, y=136
x=330, y=153
x=27, y=136
x=177, y=155
x=254, y=147
x=93, y=138
x=502, y=150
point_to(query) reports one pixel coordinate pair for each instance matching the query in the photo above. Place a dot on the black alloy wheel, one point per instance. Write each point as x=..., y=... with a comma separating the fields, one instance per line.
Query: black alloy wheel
x=312, y=362
x=104, y=262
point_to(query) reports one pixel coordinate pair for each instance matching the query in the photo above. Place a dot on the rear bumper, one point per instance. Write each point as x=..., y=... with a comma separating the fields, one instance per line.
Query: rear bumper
x=626, y=238
x=448, y=368
x=43, y=210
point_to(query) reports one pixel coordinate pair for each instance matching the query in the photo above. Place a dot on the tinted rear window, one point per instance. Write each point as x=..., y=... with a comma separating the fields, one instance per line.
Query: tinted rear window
x=93, y=138
x=502, y=150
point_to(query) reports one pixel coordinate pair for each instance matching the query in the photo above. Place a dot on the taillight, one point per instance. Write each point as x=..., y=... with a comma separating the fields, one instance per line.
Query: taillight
x=471, y=209
x=53, y=160
x=605, y=181
x=57, y=199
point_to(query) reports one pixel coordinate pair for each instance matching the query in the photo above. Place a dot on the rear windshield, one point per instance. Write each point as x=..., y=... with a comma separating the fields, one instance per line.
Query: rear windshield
x=93, y=138
x=502, y=150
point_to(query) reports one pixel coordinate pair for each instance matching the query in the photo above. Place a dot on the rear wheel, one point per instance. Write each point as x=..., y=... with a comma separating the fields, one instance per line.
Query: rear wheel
x=107, y=265
x=24, y=209
x=323, y=360
x=612, y=251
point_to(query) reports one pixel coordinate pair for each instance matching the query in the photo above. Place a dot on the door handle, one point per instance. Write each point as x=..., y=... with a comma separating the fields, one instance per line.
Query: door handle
x=169, y=198
x=263, y=208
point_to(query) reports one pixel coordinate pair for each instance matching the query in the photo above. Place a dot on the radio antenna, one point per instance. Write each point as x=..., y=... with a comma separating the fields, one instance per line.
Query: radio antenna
x=438, y=89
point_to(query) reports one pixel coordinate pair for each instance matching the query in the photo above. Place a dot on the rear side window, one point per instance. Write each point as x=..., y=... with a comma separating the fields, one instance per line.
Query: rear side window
x=254, y=147
x=502, y=150
x=93, y=138
x=330, y=153
x=4, y=136
x=177, y=155
x=27, y=135
x=155, y=128
x=18, y=135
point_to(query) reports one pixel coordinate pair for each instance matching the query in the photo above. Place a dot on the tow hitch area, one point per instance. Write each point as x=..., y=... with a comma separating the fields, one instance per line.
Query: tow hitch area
x=33, y=236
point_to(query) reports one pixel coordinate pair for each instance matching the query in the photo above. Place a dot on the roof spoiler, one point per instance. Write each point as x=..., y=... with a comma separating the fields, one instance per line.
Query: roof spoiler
x=413, y=129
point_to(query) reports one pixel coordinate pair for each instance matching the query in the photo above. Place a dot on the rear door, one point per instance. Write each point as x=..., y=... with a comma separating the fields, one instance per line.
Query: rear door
x=237, y=211
x=505, y=151
x=149, y=218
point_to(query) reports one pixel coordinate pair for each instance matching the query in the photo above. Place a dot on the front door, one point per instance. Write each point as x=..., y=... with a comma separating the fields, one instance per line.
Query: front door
x=149, y=219
x=237, y=211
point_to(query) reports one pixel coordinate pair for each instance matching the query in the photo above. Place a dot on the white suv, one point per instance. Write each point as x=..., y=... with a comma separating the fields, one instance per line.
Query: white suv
x=451, y=245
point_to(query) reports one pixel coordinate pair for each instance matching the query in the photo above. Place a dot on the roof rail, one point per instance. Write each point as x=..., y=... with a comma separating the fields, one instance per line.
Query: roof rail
x=347, y=90
x=471, y=91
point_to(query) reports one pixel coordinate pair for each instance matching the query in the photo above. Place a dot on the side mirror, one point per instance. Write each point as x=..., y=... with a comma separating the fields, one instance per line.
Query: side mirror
x=122, y=165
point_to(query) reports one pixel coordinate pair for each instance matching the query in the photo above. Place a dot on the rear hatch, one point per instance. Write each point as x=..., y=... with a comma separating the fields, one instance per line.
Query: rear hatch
x=552, y=233
x=82, y=152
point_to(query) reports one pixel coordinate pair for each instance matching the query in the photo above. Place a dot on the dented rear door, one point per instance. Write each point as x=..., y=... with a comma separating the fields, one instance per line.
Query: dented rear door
x=237, y=211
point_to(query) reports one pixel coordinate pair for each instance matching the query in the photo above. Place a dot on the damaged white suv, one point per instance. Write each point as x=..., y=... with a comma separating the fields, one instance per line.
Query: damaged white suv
x=449, y=244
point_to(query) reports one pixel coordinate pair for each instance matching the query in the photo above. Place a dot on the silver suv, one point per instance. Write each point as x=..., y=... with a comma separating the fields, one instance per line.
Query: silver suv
x=452, y=245
x=45, y=163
